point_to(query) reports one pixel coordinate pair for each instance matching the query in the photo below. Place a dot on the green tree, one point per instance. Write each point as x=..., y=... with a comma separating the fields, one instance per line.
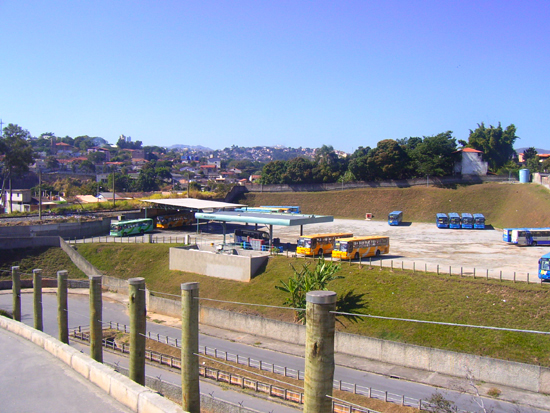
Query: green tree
x=358, y=165
x=328, y=166
x=434, y=155
x=529, y=153
x=496, y=144
x=97, y=157
x=306, y=280
x=298, y=171
x=388, y=160
x=18, y=155
x=52, y=162
x=273, y=172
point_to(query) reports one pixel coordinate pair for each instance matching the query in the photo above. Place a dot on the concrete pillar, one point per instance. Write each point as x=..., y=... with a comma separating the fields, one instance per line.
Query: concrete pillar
x=37, y=299
x=319, y=357
x=96, y=318
x=62, y=307
x=138, y=315
x=190, y=347
x=16, y=291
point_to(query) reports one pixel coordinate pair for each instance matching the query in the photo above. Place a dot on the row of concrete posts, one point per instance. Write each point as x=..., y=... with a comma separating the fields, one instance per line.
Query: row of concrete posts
x=319, y=352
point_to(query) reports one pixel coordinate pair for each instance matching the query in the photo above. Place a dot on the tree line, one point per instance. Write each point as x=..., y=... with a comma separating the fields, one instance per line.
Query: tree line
x=405, y=158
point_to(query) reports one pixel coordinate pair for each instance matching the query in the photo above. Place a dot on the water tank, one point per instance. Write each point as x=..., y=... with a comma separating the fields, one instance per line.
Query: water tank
x=524, y=176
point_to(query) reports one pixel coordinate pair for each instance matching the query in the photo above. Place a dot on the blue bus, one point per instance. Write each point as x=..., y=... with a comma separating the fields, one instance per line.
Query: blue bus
x=454, y=220
x=479, y=221
x=442, y=220
x=395, y=217
x=507, y=232
x=467, y=221
x=544, y=267
x=531, y=236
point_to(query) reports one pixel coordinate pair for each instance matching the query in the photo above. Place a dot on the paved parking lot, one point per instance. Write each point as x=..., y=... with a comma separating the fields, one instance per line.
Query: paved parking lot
x=425, y=245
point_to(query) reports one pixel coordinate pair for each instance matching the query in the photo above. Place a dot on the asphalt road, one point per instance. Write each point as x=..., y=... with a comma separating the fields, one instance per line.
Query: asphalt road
x=116, y=312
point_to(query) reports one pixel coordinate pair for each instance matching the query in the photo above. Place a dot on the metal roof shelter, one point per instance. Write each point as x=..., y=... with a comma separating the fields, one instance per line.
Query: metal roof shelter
x=192, y=203
x=283, y=219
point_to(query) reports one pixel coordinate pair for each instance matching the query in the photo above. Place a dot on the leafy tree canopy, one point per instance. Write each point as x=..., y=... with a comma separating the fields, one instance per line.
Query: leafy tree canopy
x=497, y=144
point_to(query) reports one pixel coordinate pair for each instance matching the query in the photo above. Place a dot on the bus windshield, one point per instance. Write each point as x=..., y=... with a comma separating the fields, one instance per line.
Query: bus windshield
x=304, y=242
x=545, y=264
x=341, y=246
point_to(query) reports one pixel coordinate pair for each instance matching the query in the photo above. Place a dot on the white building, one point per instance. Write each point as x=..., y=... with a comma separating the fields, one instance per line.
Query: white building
x=470, y=162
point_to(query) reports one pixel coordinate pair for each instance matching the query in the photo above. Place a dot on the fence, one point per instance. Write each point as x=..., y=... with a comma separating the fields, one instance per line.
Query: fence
x=174, y=362
x=461, y=271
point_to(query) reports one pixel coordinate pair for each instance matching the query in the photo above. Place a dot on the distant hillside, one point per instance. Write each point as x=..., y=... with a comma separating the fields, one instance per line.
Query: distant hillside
x=195, y=147
x=539, y=150
x=503, y=204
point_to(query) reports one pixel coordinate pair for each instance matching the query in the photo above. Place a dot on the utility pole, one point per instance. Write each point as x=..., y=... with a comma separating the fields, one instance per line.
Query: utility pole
x=40, y=194
x=113, y=188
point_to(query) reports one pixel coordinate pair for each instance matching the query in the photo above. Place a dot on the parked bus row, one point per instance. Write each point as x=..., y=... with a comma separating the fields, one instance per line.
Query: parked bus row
x=343, y=245
x=456, y=221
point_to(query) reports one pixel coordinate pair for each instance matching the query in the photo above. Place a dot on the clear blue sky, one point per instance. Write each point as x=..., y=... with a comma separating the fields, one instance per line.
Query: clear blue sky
x=260, y=72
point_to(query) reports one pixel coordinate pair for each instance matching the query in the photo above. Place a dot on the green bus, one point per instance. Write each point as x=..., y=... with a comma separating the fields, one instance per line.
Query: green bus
x=131, y=227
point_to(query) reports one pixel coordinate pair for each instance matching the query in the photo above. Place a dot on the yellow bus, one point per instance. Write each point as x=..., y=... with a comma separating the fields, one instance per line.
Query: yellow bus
x=355, y=247
x=175, y=220
x=318, y=244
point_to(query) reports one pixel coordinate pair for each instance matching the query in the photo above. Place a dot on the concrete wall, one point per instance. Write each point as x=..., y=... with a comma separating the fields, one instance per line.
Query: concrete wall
x=65, y=230
x=237, y=191
x=507, y=373
x=78, y=260
x=134, y=396
x=14, y=242
x=231, y=267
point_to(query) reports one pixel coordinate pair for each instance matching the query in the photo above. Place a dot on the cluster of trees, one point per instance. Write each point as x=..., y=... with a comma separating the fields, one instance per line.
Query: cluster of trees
x=17, y=155
x=397, y=159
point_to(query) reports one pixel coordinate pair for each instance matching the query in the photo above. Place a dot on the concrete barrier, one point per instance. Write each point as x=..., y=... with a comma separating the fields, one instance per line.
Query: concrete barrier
x=138, y=398
x=230, y=267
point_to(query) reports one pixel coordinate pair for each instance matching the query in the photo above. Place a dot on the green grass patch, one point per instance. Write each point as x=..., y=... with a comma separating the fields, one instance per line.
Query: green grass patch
x=49, y=259
x=504, y=205
x=400, y=294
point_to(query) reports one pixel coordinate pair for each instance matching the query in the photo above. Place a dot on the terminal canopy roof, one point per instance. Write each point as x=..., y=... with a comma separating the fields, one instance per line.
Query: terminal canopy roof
x=274, y=218
x=192, y=203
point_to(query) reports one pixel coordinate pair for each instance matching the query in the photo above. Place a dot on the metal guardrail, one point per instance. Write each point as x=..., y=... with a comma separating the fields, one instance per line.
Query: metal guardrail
x=175, y=362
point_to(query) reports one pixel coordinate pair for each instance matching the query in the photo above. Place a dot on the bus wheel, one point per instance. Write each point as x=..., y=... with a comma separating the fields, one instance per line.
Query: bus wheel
x=356, y=256
x=377, y=253
x=141, y=232
x=534, y=243
x=321, y=252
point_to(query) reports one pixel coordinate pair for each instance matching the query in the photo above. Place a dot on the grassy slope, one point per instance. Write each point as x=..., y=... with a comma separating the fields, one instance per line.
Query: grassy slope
x=49, y=259
x=371, y=291
x=504, y=205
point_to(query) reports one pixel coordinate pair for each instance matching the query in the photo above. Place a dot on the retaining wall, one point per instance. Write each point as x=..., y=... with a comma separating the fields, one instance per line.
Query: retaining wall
x=230, y=267
x=26, y=241
x=507, y=373
x=236, y=191
x=65, y=229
